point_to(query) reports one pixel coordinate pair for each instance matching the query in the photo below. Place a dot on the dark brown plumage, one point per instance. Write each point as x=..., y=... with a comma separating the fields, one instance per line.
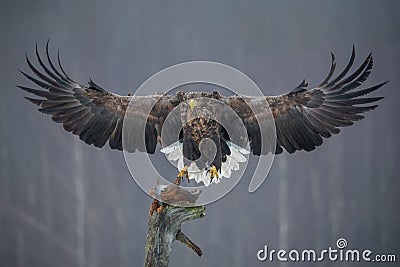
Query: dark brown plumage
x=303, y=117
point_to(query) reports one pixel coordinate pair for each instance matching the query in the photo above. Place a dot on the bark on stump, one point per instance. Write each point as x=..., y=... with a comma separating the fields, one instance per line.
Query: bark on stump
x=164, y=226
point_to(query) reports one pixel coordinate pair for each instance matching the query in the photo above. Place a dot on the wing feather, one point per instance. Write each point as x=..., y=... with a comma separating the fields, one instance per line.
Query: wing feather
x=90, y=112
x=303, y=117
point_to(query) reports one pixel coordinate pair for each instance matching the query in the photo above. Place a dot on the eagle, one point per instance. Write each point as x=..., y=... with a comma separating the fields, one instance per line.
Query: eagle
x=303, y=117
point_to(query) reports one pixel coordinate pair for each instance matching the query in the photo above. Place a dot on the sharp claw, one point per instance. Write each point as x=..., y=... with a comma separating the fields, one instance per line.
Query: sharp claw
x=154, y=206
x=184, y=173
x=213, y=173
x=160, y=208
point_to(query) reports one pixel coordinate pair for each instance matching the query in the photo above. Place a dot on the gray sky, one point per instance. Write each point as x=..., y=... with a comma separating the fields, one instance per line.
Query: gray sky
x=63, y=203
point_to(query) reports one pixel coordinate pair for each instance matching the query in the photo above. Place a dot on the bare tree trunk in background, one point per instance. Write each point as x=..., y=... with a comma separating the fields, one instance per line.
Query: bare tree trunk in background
x=3, y=153
x=367, y=178
x=32, y=199
x=119, y=214
x=80, y=204
x=45, y=192
x=318, y=209
x=336, y=184
x=283, y=204
x=386, y=169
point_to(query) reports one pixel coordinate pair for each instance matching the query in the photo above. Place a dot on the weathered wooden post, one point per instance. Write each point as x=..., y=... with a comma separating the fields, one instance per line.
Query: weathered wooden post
x=165, y=222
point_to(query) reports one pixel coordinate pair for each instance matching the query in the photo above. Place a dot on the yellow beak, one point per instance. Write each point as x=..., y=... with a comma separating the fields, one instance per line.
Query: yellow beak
x=191, y=104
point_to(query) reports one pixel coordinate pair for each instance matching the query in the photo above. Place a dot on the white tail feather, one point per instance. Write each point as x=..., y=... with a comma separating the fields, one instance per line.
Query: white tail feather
x=174, y=153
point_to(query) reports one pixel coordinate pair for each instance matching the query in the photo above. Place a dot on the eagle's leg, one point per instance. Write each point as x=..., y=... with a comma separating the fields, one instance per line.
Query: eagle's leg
x=183, y=173
x=213, y=172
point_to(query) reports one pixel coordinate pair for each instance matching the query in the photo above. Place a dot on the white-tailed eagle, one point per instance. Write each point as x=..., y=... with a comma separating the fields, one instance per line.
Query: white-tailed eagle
x=303, y=117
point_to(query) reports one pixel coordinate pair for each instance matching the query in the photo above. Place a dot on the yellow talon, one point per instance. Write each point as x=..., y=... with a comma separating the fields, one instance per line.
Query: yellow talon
x=214, y=172
x=183, y=172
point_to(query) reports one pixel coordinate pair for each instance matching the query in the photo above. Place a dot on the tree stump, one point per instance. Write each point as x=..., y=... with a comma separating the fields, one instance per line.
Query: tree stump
x=164, y=226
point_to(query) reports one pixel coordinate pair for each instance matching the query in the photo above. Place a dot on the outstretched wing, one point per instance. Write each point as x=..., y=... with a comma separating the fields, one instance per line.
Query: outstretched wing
x=92, y=113
x=304, y=116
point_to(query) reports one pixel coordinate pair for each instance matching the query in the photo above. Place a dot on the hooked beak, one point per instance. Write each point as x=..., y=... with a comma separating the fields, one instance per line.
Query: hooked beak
x=191, y=104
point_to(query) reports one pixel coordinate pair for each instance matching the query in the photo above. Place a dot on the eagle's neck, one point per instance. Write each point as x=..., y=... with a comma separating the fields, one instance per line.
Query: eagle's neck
x=200, y=122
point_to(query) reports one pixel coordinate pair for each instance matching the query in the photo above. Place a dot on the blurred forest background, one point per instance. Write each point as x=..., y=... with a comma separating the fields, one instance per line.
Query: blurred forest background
x=63, y=203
